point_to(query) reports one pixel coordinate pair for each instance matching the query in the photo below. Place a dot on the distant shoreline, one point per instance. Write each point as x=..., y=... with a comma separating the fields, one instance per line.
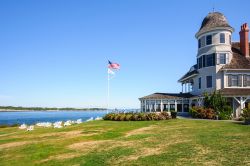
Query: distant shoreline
x=49, y=110
x=46, y=109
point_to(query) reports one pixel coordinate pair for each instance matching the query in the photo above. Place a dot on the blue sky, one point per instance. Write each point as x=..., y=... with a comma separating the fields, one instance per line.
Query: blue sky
x=55, y=52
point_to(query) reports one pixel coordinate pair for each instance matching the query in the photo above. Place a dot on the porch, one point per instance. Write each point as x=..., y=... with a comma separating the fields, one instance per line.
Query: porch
x=159, y=102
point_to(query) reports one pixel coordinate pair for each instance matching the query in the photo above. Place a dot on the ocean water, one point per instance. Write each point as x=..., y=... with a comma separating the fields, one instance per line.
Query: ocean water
x=32, y=117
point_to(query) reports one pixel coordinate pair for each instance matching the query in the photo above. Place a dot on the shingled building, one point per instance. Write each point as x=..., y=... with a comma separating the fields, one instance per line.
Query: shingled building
x=222, y=65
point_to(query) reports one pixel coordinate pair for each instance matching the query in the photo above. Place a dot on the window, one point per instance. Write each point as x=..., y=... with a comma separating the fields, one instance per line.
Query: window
x=210, y=60
x=222, y=37
x=246, y=80
x=209, y=81
x=208, y=39
x=206, y=61
x=199, y=43
x=222, y=58
x=199, y=62
x=200, y=83
x=203, y=41
x=234, y=80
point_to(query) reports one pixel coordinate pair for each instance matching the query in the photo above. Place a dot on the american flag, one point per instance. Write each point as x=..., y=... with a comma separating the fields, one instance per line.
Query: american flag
x=112, y=65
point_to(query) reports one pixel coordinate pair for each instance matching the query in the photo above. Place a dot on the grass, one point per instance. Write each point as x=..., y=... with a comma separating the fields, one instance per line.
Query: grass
x=170, y=142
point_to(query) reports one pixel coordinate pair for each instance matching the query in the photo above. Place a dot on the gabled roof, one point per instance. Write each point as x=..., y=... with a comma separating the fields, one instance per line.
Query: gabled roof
x=167, y=96
x=238, y=61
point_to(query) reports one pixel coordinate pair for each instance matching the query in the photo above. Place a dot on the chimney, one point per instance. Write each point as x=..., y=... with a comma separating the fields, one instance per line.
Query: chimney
x=244, y=45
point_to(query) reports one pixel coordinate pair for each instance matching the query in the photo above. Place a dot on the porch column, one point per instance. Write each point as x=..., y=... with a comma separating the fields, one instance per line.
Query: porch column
x=161, y=106
x=155, y=106
x=189, y=102
x=182, y=105
x=241, y=102
x=185, y=87
x=150, y=107
x=175, y=105
x=145, y=105
x=168, y=106
x=142, y=105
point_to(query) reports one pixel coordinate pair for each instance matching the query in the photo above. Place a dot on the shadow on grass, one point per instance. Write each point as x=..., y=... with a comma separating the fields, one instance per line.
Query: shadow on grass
x=241, y=123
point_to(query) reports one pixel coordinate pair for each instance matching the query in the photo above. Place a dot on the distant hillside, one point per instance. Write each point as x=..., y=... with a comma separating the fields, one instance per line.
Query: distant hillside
x=6, y=108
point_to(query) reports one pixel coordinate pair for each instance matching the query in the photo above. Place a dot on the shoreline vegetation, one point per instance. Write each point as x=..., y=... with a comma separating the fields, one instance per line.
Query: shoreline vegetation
x=17, y=109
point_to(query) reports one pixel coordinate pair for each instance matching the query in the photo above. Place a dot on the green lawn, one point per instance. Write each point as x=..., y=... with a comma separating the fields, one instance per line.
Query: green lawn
x=170, y=142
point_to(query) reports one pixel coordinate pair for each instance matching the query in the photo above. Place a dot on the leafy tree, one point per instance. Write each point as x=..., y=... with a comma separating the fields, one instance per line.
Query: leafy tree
x=219, y=104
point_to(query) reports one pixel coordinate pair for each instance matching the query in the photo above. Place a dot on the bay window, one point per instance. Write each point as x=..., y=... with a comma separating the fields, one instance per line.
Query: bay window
x=246, y=80
x=234, y=80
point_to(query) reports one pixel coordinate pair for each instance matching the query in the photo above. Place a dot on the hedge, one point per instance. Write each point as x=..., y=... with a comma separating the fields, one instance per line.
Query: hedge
x=137, y=116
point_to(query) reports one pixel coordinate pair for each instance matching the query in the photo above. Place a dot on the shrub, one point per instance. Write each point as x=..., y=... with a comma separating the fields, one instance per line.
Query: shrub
x=117, y=117
x=141, y=117
x=109, y=116
x=219, y=103
x=209, y=113
x=202, y=113
x=128, y=117
x=165, y=114
x=246, y=115
x=225, y=113
x=136, y=116
x=173, y=114
x=122, y=117
x=193, y=111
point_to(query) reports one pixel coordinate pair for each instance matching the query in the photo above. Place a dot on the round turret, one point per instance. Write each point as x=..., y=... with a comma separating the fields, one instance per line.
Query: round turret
x=214, y=21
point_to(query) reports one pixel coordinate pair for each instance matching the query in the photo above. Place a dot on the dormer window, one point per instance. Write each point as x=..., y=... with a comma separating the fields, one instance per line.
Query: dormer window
x=222, y=38
x=208, y=39
x=222, y=58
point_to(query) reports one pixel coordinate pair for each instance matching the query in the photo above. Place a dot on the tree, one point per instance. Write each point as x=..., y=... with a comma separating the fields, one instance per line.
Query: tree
x=219, y=103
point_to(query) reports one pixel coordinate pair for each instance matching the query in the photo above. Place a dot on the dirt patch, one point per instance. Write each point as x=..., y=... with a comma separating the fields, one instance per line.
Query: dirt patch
x=145, y=152
x=8, y=134
x=198, y=159
x=13, y=144
x=62, y=157
x=142, y=130
x=87, y=146
x=149, y=151
x=69, y=134
x=102, y=145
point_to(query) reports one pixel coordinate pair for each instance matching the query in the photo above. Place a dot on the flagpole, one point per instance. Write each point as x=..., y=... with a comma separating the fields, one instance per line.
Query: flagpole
x=108, y=94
